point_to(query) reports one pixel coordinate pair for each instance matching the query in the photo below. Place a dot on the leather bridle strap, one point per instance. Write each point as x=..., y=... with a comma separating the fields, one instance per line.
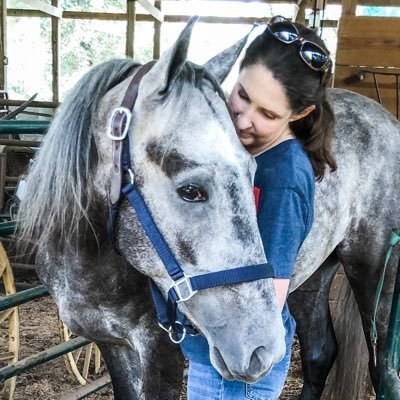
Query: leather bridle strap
x=118, y=129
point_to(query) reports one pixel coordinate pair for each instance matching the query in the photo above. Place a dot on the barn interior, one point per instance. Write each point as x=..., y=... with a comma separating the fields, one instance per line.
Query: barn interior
x=47, y=45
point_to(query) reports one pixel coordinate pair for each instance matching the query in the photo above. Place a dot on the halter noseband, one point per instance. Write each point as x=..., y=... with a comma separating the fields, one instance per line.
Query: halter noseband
x=185, y=286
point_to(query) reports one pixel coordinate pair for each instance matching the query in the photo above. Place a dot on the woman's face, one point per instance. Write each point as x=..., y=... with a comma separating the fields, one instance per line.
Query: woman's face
x=261, y=109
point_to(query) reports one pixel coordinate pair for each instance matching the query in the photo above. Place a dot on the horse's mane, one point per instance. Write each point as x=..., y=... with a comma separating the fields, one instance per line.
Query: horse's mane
x=50, y=211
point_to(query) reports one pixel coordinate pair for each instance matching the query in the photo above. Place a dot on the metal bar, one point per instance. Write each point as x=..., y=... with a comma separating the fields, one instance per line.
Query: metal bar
x=378, y=93
x=365, y=71
x=93, y=387
x=7, y=228
x=23, y=267
x=389, y=388
x=20, y=143
x=153, y=11
x=390, y=385
x=19, y=109
x=42, y=357
x=16, y=103
x=23, y=297
x=20, y=286
x=22, y=127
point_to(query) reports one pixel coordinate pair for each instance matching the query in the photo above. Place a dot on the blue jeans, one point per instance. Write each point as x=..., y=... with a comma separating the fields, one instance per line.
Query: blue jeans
x=205, y=383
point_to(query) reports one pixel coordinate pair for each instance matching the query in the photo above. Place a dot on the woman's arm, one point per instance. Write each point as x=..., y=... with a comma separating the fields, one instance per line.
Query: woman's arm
x=281, y=289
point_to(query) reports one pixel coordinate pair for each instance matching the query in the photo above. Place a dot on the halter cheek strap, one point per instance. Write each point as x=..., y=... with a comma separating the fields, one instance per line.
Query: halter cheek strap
x=184, y=286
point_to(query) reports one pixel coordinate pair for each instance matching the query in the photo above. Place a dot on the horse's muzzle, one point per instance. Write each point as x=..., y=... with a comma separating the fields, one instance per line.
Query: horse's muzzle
x=251, y=370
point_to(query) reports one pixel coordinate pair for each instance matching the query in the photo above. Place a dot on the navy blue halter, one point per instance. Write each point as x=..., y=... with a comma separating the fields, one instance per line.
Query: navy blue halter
x=184, y=286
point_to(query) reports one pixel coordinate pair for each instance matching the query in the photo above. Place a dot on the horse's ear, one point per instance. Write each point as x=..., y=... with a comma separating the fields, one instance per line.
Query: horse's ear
x=220, y=65
x=169, y=65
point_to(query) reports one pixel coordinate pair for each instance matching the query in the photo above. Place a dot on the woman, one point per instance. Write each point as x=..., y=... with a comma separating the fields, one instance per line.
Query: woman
x=284, y=121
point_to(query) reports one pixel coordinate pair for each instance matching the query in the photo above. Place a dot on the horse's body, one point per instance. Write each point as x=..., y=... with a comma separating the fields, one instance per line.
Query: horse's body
x=355, y=209
x=196, y=179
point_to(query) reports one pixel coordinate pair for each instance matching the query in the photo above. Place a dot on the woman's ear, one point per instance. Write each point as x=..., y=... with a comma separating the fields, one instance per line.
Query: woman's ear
x=302, y=114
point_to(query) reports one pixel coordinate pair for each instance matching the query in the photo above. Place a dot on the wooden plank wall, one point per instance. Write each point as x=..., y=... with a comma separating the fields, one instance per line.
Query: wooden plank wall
x=369, y=44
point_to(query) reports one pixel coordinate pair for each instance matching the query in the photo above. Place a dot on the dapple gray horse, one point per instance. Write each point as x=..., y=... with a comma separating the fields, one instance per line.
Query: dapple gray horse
x=196, y=179
x=182, y=138
x=356, y=208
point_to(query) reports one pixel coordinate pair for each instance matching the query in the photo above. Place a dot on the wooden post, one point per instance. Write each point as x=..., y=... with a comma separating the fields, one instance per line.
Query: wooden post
x=301, y=11
x=349, y=7
x=130, y=28
x=349, y=377
x=3, y=44
x=55, y=49
x=157, y=34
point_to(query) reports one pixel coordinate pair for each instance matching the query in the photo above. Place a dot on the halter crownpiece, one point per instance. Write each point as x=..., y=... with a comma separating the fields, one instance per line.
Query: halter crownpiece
x=184, y=286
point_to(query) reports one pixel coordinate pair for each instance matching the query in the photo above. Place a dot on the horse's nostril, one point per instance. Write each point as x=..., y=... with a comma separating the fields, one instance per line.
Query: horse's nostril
x=257, y=360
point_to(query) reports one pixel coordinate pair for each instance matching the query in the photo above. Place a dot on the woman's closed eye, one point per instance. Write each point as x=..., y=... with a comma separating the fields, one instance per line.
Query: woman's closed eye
x=243, y=95
x=268, y=115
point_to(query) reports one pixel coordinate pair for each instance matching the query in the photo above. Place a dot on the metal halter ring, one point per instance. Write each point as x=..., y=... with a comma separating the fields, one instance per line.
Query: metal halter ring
x=171, y=333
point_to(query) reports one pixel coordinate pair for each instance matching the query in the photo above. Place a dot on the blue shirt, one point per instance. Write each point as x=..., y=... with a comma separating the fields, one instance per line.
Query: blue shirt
x=286, y=182
x=286, y=204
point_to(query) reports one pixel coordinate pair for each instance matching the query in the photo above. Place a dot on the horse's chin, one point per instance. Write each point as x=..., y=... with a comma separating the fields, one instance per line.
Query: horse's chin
x=219, y=364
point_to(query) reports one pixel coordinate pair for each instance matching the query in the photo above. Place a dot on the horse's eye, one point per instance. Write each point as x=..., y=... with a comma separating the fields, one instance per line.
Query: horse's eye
x=192, y=192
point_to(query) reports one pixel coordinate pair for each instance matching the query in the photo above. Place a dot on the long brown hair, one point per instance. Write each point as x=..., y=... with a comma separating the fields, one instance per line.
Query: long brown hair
x=303, y=87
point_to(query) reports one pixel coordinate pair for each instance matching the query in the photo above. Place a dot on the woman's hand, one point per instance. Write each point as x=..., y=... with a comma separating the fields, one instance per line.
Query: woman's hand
x=281, y=290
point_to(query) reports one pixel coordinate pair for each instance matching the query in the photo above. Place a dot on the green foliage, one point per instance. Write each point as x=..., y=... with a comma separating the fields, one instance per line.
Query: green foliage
x=83, y=44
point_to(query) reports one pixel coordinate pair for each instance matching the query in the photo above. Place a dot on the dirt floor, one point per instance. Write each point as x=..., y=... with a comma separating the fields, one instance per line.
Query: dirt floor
x=52, y=381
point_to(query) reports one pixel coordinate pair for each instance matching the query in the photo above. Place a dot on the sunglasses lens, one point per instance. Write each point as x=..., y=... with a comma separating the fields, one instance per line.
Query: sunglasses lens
x=284, y=31
x=314, y=56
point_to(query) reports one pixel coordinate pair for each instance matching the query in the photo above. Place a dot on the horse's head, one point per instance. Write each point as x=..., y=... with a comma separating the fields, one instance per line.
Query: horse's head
x=196, y=179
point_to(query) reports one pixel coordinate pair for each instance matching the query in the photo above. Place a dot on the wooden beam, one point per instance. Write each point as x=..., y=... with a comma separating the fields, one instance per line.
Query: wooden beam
x=349, y=7
x=3, y=44
x=147, y=18
x=46, y=8
x=39, y=104
x=301, y=12
x=55, y=50
x=130, y=28
x=250, y=1
x=154, y=12
x=157, y=35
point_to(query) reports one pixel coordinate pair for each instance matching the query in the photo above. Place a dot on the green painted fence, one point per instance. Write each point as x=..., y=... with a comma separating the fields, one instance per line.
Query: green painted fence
x=23, y=127
x=14, y=300
x=389, y=388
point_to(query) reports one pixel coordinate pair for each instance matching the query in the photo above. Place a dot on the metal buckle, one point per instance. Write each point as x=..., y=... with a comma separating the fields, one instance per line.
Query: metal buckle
x=171, y=333
x=131, y=176
x=127, y=115
x=183, y=288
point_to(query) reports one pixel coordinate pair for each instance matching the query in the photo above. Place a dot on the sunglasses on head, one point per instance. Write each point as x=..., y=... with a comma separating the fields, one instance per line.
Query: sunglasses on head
x=312, y=54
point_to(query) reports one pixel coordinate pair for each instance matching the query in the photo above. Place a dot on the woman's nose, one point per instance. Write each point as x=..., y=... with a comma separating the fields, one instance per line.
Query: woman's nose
x=243, y=120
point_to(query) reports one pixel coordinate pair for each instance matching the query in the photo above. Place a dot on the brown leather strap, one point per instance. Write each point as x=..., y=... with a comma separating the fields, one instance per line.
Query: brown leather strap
x=118, y=129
